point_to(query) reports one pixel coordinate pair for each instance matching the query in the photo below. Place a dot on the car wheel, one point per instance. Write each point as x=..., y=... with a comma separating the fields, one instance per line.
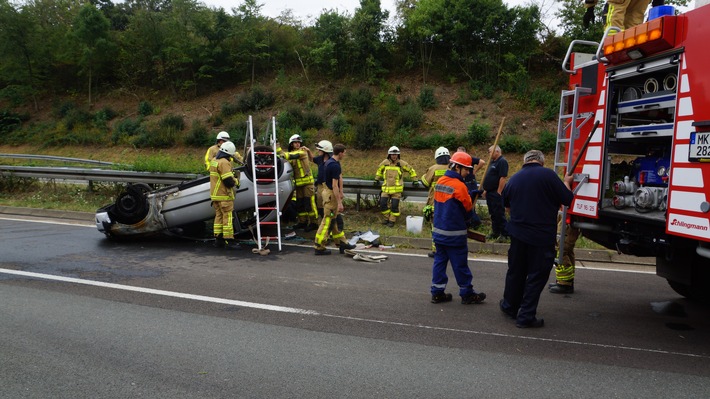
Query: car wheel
x=263, y=164
x=132, y=205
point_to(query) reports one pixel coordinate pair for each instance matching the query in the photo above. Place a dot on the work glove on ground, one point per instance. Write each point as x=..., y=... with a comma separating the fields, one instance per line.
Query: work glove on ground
x=589, y=17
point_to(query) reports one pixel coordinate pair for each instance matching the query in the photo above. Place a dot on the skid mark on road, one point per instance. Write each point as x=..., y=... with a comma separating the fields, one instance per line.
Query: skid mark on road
x=282, y=309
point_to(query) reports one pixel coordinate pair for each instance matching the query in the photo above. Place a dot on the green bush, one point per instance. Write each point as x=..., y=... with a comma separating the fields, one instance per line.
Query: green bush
x=61, y=110
x=125, y=129
x=339, y=124
x=548, y=101
x=228, y=109
x=358, y=101
x=462, y=98
x=255, y=100
x=426, y=99
x=368, y=133
x=515, y=144
x=478, y=133
x=9, y=121
x=198, y=135
x=547, y=141
x=410, y=115
x=145, y=108
x=77, y=117
x=175, y=122
x=448, y=140
x=289, y=119
x=158, y=138
x=311, y=120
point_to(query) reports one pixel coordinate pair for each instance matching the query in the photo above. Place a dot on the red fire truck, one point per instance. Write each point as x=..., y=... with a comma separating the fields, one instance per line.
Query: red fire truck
x=636, y=117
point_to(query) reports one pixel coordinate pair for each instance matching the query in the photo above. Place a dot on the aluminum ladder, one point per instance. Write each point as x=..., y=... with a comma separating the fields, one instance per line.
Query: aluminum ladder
x=270, y=186
x=569, y=124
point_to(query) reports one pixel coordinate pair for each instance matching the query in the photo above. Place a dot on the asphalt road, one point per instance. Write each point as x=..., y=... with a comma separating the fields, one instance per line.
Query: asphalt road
x=82, y=316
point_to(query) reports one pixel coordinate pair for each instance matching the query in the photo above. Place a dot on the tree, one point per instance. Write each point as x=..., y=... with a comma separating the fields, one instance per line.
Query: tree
x=367, y=30
x=94, y=46
x=17, y=33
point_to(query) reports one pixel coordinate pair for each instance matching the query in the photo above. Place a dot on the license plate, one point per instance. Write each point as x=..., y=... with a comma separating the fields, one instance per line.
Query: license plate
x=699, y=147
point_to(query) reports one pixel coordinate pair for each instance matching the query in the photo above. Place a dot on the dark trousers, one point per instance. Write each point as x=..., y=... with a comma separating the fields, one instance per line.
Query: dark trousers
x=529, y=268
x=497, y=212
x=459, y=264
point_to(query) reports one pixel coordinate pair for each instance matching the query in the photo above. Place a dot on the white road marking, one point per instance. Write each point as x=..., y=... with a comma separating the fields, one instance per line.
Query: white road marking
x=77, y=223
x=152, y=291
x=283, y=309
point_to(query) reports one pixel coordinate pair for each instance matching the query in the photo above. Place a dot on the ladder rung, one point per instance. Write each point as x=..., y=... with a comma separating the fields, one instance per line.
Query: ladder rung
x=265, y=180
x=566, y=116
x=267, y=208
x=269, y=237
x=269, y=223
x=262, y=152
x=563, y=140
x=264, y=166
x=266, y=194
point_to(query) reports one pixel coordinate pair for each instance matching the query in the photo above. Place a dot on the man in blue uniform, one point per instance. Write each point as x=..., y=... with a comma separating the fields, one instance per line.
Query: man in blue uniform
x=454, y=212
x=534, y=196
x=493, y=185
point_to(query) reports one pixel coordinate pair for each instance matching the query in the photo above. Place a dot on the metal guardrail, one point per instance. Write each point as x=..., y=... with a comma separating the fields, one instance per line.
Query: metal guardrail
x=351, y=186
x=54, y=158
x=119, y=176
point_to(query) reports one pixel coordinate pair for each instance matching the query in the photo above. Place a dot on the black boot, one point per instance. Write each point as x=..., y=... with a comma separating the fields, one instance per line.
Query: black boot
x=562, y=289
x=218, y=242
x=345, y=245
x=231, y=244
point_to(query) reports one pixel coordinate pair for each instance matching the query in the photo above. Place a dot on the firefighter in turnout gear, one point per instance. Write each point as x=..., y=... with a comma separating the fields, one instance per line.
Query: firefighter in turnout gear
x=390, y=173
x=442, y=157
x=222, y=137
x=564, y=273
x=300, y=158
x=332, y=203
x=222, y=185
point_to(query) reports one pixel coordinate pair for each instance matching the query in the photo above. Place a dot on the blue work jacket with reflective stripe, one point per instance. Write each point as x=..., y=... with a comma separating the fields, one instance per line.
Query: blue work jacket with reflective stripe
x=453, y=210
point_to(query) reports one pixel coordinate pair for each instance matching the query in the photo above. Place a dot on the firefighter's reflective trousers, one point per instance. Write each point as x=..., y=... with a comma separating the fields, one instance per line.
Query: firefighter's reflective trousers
x=223, y=222
x=327, y=225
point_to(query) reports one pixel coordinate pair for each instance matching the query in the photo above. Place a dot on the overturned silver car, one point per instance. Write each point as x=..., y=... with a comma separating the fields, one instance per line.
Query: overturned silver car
x=183, y=208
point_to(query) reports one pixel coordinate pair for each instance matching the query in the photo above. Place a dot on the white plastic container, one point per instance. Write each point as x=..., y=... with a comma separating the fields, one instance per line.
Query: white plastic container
x=414, y=224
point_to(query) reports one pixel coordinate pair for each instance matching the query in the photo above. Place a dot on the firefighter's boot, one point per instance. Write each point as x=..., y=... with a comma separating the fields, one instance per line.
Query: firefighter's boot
x=558, y=288
x=218, y=241
x=231, y=244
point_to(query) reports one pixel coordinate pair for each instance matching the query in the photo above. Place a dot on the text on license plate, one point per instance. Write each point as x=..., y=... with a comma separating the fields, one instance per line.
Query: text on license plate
x=699, y=149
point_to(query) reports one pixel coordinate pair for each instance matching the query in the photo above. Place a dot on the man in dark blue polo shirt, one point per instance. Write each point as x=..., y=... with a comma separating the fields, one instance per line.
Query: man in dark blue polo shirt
x=534, y=196
x=493, y=185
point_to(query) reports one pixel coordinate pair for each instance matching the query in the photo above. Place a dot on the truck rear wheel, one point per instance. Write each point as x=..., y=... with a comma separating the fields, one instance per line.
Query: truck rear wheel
x=697, y=287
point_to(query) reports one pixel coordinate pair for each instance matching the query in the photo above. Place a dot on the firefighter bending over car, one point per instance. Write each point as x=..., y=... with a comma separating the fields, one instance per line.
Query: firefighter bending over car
x=222, y=137
x=222, y=185
x=390, y=173
x=299, y=156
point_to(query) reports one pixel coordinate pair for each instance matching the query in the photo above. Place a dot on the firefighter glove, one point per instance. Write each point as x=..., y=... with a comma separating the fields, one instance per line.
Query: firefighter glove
x=377, y=183
x=589, y=16
x=656, y=3
x=415, y=183
x=428, y=212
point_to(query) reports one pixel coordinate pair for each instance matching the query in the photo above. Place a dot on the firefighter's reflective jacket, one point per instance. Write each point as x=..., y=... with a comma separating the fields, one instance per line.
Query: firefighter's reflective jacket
x=212, y=152
x=301, y=164
x=391, y=173
x=430, y=178
x=221, y=170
